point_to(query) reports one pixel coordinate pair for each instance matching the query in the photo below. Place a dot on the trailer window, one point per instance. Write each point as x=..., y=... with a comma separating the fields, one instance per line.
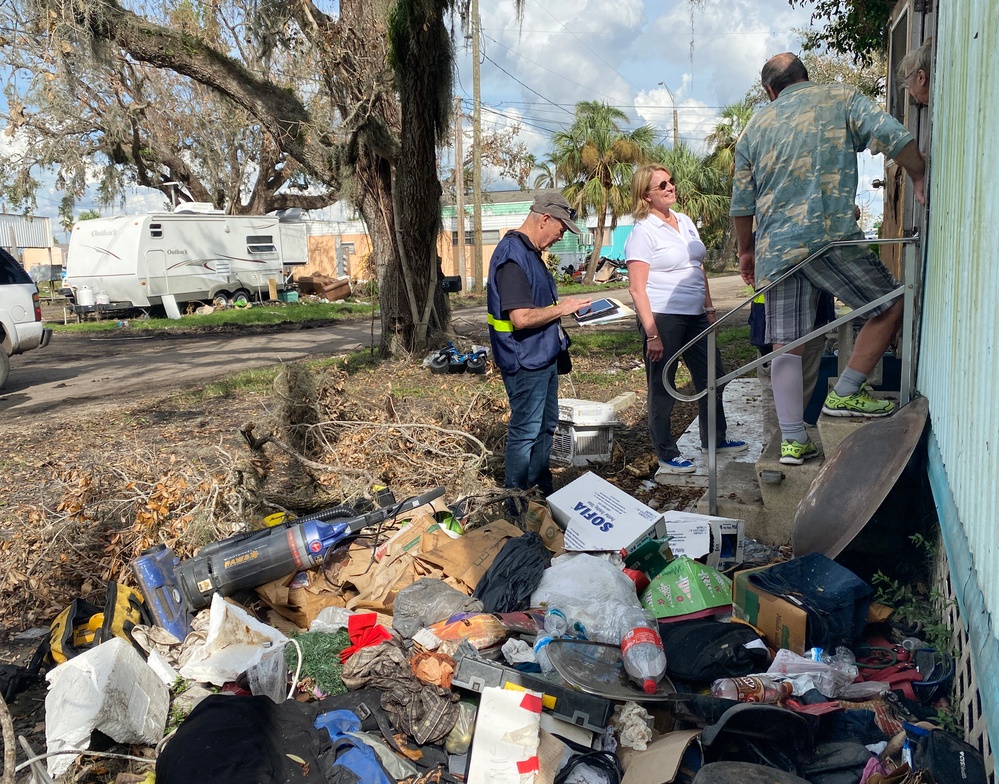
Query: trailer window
x=156, y=230
x=260, y=243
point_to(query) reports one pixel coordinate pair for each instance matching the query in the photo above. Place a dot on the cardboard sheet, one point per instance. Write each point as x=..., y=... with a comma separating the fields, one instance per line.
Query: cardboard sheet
x=506, y=739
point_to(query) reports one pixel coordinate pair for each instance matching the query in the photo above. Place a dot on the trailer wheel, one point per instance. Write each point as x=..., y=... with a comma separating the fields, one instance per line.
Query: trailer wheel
x=221, y=299
x=241, y=299
x=4, y=366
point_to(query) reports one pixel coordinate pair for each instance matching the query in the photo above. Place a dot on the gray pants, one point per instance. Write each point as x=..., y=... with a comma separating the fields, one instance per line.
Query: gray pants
x=811, y=359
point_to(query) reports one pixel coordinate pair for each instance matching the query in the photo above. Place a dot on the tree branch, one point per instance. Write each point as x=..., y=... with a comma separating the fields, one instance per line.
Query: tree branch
x=278, y=109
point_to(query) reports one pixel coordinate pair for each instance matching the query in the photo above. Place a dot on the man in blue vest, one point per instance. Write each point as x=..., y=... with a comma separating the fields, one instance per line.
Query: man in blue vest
x=527, y=338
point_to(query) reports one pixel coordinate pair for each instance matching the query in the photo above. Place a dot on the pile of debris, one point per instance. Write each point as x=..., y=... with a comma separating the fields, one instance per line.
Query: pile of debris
x=596, y=640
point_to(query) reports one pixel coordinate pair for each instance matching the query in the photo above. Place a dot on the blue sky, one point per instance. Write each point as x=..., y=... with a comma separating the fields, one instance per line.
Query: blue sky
x=534, y=70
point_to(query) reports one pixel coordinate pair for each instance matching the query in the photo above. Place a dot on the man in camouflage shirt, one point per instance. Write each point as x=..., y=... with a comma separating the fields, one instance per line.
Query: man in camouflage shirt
x=796, y=174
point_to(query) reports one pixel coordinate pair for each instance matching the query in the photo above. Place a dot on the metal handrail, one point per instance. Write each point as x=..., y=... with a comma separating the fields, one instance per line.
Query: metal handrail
x=906, y=290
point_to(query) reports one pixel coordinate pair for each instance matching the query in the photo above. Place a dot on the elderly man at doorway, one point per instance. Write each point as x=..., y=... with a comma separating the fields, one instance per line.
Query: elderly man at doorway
x=796, y=174
x=526, y=335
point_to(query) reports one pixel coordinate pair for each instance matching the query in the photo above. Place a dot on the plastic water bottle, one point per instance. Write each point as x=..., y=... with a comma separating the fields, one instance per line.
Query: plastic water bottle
x=541, y=654
x=642, y=649
x=752, y=688
x=556, y=623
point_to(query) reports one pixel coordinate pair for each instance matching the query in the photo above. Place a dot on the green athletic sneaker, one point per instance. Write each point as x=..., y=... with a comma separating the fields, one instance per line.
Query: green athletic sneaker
x=859, y=404
x=796, y=453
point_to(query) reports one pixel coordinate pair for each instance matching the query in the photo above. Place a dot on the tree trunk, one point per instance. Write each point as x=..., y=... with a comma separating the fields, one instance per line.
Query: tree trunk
x=403, y=225
x=598, y=241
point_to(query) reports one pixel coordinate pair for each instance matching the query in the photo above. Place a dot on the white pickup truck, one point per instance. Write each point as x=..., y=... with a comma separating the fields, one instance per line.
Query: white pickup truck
x=20, y=313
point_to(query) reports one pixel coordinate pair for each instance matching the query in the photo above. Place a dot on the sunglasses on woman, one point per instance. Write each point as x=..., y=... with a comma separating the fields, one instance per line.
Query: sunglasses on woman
x=661, y=186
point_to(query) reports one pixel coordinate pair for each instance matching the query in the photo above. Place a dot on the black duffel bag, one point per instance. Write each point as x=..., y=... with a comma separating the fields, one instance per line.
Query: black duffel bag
x=703, y=650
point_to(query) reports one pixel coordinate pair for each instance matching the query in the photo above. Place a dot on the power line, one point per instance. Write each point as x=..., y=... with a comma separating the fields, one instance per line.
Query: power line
x=531, y=89
x=601, y=59
x=543, y=68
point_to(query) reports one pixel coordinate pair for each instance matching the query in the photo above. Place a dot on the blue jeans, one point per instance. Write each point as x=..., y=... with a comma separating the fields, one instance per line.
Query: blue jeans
x=533, y=398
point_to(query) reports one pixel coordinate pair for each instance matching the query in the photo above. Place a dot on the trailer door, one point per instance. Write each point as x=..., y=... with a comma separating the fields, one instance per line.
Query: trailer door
x=158, y=284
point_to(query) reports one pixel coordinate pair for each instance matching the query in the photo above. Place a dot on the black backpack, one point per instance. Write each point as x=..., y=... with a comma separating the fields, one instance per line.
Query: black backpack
x=703, y=650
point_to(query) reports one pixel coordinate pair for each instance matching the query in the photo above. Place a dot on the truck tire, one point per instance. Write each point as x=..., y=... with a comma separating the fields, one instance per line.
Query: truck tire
x=241, y=298
x=4, y=367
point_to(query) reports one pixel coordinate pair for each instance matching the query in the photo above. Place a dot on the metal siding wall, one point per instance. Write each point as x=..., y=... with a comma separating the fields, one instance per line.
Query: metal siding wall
x=957, y=369
x=30, y=231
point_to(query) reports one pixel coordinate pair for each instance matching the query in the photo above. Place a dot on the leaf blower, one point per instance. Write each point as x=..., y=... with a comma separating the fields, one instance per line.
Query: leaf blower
x=175, y=590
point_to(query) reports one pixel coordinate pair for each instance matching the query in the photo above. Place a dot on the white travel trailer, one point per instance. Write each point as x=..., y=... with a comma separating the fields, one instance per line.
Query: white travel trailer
x=193, y=254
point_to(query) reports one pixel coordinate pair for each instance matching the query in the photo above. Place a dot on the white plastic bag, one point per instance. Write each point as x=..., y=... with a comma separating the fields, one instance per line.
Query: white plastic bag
x=590, y=590
x=108, y=688
x=236, y=642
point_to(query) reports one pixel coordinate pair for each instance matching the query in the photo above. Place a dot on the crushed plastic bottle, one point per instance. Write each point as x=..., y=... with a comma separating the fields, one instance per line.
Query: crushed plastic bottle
x=556, y=623
x=541, y=654
x=642, y=649
x=752, y=688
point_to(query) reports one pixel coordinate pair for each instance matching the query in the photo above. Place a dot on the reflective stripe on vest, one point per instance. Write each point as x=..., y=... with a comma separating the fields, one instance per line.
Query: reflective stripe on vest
x=758, y=299
x=500, y=325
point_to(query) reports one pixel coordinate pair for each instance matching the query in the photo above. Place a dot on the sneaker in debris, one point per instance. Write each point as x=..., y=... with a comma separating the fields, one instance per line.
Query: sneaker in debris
x=675, y=466
x=859, y=404
x=729, y=446
x=796, y=453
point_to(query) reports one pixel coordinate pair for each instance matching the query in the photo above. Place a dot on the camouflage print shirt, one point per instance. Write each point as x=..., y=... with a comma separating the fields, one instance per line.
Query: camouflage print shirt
x=796, y=169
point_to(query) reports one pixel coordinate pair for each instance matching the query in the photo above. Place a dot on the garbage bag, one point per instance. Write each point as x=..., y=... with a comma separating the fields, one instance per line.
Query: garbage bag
x=428, y=601
x=589, y=590
x=513, y=575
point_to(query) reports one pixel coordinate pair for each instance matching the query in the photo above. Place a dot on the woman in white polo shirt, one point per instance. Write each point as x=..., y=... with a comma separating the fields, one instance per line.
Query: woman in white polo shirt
x=670, y=290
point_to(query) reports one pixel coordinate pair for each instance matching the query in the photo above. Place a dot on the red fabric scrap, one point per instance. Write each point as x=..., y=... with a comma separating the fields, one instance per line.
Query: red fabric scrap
x=364, y=632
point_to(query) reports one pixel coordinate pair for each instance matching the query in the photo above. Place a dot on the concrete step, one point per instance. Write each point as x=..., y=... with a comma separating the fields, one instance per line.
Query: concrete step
x=745, y=423
x=833, y=429
x=739, y=498
x=781, y=488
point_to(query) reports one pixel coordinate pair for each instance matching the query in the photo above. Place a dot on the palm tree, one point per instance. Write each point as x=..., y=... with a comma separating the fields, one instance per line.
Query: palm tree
x=548, y=175
x=701, y=192
x=597, y=159
x=721, y=143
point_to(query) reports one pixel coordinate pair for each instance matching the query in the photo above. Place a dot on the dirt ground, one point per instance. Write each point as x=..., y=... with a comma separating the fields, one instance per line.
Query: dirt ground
x=84, y=492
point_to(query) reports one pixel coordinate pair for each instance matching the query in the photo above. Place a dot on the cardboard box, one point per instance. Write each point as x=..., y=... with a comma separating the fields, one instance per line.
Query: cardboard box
x=650, y=557
x=695, y=535
x=660, y=762
x=782, y=623
x=597, y=516
x=686, y=588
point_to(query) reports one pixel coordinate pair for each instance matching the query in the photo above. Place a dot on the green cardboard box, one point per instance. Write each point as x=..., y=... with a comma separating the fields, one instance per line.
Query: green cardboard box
x=650, y=557
x=686, y=588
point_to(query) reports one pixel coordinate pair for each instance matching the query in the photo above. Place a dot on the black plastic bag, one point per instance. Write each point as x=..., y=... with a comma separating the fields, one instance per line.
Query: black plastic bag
x=513, y=575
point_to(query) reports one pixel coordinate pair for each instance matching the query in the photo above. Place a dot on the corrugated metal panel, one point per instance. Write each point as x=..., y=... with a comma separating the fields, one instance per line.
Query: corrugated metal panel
x=29, y=231
x=958, y=358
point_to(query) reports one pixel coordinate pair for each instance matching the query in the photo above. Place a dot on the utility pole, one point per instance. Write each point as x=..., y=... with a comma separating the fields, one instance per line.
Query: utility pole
x=476, y=152
x=672, y=98
x=459, y=190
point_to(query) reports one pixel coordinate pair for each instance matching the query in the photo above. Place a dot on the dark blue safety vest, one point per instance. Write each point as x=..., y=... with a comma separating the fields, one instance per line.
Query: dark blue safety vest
x=534, y=348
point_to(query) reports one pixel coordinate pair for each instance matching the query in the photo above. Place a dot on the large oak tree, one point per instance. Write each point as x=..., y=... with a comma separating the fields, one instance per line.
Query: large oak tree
x=385, y=75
